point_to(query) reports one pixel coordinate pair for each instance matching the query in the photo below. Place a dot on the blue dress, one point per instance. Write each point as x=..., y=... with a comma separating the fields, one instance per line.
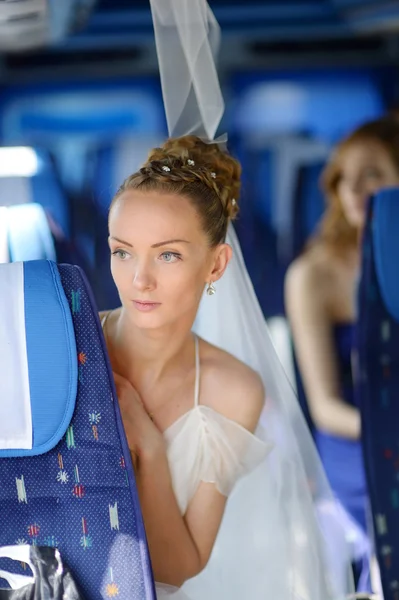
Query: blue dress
x=342, y=458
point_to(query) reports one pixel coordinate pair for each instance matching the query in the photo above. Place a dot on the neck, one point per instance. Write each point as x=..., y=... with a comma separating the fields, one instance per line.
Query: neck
x=149, y=353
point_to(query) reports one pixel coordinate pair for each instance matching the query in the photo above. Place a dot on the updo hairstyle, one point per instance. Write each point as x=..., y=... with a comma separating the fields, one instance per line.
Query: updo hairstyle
x=205, y=174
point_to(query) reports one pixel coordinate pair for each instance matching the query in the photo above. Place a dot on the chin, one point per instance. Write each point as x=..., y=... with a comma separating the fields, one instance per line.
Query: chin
x=146, y=321
x=357, y=220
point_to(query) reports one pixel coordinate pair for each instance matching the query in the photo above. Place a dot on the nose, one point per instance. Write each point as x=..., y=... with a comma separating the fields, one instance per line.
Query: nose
x=143, y=279
x=356, y=187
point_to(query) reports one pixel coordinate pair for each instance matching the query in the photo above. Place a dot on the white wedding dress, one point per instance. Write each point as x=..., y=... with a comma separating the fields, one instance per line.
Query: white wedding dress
x=205, y=446
x=261, y=551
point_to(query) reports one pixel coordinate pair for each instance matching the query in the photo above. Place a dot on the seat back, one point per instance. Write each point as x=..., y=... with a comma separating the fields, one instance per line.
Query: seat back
x=377, y=378
x=27, y=175
x=66, y=474
x=26, y=233
x=308, y=203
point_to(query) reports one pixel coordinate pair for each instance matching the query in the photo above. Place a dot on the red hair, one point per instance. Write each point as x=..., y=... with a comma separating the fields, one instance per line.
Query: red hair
x=335, y=232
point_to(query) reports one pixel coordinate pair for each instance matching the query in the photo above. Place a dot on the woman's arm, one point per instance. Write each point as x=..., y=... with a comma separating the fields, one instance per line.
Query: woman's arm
x=306, y=303
x=175, y=556
x=180, y=546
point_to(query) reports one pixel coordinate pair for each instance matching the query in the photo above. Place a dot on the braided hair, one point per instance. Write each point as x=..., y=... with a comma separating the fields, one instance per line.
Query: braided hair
x=203, y=173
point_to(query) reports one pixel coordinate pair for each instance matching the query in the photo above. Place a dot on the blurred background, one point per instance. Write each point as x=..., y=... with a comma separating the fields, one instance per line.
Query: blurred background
x=79, y=90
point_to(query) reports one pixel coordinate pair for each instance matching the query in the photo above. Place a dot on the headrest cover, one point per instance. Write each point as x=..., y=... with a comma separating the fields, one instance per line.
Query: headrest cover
x=29, y=236
x=385, y=228
x=38, y=359
x=4, y=253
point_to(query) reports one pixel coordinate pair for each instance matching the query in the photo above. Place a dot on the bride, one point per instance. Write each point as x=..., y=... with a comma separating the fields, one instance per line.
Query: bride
x=189, y=408
x=234, y=500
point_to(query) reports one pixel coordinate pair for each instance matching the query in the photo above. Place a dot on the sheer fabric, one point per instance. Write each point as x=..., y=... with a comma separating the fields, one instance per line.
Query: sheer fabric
x=205, y=446
x=283, y=535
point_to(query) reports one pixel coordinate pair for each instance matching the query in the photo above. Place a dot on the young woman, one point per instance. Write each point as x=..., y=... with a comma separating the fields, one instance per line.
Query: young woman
x=321, y=299
x=221, y=520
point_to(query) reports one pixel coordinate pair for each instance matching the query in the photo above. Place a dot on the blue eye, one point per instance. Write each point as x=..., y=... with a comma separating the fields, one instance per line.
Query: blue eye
x=122, y=254
x=170, y=257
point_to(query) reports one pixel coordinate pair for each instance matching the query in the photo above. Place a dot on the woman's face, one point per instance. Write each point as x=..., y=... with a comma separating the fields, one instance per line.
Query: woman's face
x=366, y=168
x=160, y=257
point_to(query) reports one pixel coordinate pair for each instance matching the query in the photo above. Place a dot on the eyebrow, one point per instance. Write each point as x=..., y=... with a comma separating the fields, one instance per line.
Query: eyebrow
x=176, y=241
x=158, y=245
x=121, y=241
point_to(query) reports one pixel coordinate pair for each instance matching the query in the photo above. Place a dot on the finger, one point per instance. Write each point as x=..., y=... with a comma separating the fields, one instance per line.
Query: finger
x=123, y=384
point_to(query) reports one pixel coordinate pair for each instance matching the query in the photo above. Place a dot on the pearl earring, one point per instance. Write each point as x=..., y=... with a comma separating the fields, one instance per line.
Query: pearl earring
x=210, y=290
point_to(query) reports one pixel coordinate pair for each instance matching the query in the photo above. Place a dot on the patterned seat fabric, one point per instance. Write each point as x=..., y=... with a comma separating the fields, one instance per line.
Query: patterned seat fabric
x=377, y=379
x=81, y=496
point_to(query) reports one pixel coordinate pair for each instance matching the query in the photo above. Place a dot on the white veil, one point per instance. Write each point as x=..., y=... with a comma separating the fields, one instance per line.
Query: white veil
x=187, y=38
x=282, y=535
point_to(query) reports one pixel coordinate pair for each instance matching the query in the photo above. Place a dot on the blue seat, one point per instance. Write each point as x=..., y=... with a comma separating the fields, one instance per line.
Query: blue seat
x=28, y=233
x=27, y=175
x=377, y=378
x=66, y=475
x=266, y=226
x=117, y=161
x=308, y=208
x=308, y=204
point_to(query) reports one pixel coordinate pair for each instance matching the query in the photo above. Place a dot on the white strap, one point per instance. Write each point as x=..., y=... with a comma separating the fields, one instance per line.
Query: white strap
x=15, y=405
x=21, y=554
x=197, y=372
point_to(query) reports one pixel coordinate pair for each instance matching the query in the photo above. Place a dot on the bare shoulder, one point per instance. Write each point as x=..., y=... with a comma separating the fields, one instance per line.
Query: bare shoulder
x=231, y=387
x=106, y=313
x=318, y=283
x=312, y=273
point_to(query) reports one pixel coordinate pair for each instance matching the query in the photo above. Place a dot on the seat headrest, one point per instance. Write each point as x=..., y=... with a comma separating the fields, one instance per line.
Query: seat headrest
x=29, y=235
x=385, y=232
x=38, y=359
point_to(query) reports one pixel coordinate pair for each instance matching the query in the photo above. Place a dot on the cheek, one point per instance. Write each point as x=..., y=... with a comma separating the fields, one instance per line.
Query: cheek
x=181, y=284
x=352, y=202
x=121, y=273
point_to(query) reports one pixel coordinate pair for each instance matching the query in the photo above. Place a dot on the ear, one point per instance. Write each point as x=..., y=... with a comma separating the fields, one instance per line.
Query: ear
x=222, y=257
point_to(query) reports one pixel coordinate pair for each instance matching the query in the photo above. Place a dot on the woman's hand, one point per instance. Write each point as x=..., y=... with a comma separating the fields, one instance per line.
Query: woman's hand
x=144, y=438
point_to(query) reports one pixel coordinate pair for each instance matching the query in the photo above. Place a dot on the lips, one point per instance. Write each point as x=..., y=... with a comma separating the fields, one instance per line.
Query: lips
x=144, y=306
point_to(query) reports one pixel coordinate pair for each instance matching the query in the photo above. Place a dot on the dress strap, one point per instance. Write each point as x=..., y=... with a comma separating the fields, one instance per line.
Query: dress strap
x=197, y=372
x=104, y=319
